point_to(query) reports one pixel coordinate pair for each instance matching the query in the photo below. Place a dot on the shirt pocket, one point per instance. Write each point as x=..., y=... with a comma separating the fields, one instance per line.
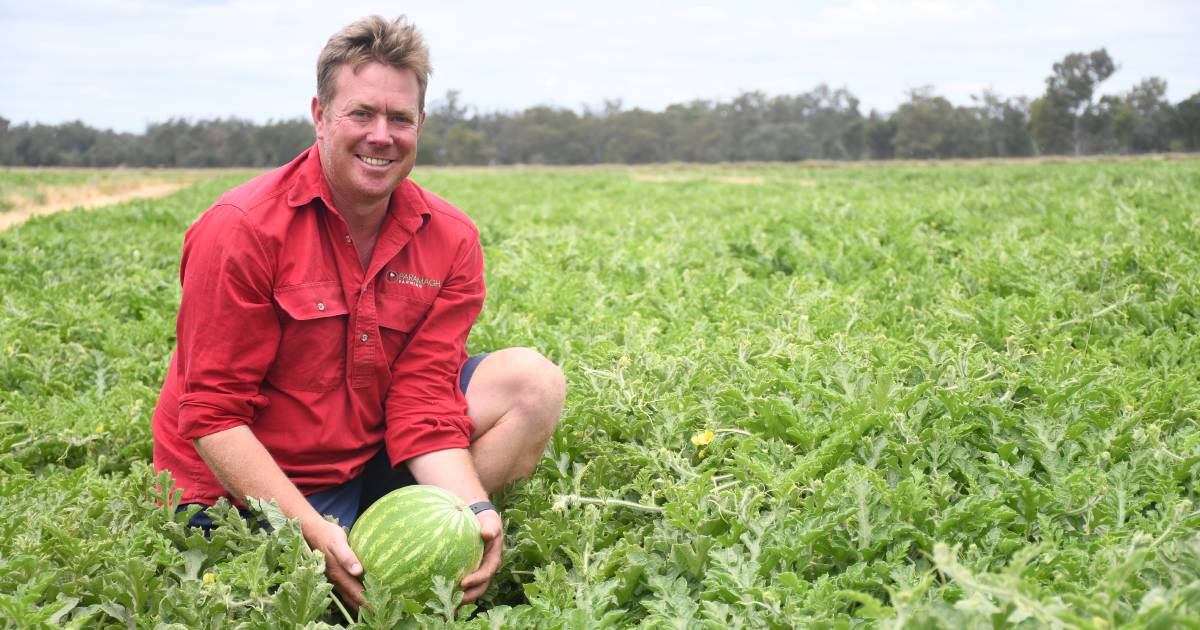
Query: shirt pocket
x=312, y=345
x=399, y=317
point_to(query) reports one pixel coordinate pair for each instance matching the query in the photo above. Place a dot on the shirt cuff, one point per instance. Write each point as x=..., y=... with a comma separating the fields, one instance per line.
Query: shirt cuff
x=203, y=413
x=406, y=440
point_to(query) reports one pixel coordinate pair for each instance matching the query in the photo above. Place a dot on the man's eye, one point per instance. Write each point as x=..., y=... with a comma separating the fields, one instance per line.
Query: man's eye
x=359, y=114
x=400, y=120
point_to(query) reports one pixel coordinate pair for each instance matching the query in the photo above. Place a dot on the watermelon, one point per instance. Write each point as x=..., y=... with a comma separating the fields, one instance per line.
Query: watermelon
x=415, y=533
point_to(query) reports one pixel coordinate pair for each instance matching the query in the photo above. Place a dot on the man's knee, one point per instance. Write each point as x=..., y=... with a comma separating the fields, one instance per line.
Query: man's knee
x=541, y=387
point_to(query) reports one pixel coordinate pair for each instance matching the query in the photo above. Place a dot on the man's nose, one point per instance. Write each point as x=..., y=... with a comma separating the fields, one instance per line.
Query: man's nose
x=379, y=133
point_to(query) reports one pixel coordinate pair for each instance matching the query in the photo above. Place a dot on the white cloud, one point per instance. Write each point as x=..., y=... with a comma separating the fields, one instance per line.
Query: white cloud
x=707, y=14
x=122, y=62
x=875, y=17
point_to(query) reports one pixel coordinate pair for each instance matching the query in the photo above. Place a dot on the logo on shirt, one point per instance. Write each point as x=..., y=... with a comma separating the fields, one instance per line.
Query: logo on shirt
x=411, y=280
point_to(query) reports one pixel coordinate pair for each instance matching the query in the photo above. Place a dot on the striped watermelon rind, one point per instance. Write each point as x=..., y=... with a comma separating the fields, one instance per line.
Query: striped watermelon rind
x=415, y=533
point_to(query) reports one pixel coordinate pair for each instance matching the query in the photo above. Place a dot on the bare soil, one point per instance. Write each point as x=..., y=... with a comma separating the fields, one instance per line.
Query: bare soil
x=58, y=200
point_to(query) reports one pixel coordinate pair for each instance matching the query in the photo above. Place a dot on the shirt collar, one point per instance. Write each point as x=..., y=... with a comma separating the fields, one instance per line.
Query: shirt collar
x=309, y=182
x=407, y=206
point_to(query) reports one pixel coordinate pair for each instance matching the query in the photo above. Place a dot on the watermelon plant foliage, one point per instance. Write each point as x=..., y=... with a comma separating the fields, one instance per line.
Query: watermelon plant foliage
x=954, y=395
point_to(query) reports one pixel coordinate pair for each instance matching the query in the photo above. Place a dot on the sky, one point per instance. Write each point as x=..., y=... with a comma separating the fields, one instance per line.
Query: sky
x=121, y=64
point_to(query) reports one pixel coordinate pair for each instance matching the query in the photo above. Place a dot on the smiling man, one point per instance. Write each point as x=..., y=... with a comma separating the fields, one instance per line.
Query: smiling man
x=321, y=337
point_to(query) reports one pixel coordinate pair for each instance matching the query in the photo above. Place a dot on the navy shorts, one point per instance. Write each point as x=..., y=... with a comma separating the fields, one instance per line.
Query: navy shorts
x=378, y=478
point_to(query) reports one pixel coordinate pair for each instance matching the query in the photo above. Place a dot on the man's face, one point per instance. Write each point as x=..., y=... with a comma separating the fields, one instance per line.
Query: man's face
x=367, y=133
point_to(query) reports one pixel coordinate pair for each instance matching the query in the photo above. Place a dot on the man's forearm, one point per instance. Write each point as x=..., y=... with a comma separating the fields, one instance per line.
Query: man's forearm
x=452, y=469
x=243, y=465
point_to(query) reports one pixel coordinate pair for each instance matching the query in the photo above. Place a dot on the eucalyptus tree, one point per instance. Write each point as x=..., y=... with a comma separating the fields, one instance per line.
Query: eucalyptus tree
x=1069, y=99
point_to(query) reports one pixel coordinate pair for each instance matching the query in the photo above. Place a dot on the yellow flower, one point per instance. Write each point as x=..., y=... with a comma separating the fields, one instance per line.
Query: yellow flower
x=700, y=439
x=99, y=428
x=209, y=578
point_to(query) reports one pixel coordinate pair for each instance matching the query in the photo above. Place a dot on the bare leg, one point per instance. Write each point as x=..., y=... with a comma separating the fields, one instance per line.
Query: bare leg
x=515, y=398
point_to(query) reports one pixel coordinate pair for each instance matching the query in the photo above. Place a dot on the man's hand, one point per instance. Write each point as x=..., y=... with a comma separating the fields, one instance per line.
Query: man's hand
x=246, y=469
x=341, y=565
x=454, y=470
x=492, y=532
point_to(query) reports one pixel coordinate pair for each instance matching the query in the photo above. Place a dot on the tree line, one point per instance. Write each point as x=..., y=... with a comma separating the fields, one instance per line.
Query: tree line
x=823, y=124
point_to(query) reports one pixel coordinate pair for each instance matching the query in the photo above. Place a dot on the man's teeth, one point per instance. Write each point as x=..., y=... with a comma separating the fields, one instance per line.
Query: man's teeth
x=374, y=161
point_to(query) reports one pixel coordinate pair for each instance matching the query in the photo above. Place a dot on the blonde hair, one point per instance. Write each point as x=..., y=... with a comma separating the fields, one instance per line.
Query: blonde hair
x=397, y=43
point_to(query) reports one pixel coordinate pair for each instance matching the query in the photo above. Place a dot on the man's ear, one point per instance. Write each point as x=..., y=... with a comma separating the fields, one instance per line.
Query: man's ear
x=318, y=114
x=420, y=123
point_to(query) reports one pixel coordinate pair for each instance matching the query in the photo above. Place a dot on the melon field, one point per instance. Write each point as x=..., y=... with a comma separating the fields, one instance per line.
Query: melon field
x=898, y=396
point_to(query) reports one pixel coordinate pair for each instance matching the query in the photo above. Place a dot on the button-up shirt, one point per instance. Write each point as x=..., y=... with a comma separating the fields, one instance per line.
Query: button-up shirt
x=281, y=329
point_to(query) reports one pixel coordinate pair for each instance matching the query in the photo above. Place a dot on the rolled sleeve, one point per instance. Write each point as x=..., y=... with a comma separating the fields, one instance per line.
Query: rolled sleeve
x=227, y=330
x=425, y=409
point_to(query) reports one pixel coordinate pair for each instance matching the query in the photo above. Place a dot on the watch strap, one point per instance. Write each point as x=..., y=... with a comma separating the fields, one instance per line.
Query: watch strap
x=483, y=506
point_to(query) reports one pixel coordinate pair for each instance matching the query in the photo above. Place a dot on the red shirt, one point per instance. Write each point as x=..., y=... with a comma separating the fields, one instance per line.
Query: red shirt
x=281, y=329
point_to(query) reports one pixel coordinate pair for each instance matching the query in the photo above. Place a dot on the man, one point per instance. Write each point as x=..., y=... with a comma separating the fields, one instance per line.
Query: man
x=320, y=355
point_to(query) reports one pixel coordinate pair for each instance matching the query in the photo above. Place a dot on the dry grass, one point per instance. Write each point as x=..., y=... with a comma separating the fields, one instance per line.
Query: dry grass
x=660, y=178
x=52, y=196
x=30, y=192
x=59, y=200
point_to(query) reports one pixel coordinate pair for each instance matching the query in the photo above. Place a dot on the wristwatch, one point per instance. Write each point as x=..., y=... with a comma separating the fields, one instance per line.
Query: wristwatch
x=482, y=506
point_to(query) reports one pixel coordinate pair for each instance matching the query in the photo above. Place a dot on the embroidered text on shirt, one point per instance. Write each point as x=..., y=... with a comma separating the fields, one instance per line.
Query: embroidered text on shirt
x=411, y=280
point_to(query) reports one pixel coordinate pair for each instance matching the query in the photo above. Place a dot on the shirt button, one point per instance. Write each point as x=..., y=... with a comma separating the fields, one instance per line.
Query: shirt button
x=364, y=338
x=320, y=306
x=348, y=239
x=391, y=274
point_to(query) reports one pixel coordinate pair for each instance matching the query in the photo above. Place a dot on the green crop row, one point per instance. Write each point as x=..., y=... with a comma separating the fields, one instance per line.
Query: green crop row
x=949, y=396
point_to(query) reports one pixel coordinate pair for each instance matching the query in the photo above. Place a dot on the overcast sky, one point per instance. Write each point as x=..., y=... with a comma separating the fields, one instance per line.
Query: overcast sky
x=124, y=63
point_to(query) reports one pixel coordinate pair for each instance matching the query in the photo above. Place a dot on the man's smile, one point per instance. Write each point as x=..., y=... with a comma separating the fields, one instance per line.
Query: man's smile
x=373, y=161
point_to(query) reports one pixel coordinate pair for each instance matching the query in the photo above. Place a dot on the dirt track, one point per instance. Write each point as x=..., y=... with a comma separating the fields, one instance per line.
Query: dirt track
x=14, y=217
